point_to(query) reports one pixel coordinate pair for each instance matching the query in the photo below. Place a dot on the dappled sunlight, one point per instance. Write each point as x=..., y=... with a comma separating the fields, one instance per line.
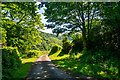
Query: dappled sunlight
x=45, y=70
x=85, y=40
x=96, y=70
x=28, y=60
x=74, y=66
x=60, y=57
x=55, y=54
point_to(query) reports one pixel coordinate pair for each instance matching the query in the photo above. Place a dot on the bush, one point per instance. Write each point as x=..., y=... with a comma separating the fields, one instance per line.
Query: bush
x=108, y=62
x=10, y=61
x=31, y=53
x=93, y=56
x=55, y=49
x=77, y=44
x=66, y=46
x=34, y=53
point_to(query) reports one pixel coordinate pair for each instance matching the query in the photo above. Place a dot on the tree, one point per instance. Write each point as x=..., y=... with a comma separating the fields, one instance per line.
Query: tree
x=74, y=17
x=111, y=20
x=3, y=40
x=48, y=40
x=21, y=22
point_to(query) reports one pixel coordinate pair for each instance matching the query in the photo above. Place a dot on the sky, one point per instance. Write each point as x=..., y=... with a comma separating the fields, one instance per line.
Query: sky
x=41, y=11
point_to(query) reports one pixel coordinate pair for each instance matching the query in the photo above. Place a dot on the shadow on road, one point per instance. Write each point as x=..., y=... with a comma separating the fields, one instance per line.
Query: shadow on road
x=42, y=70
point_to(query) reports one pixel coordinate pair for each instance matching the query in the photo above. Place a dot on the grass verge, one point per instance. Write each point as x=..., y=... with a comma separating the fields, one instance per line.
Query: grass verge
x=21, y=73
x=97, y=70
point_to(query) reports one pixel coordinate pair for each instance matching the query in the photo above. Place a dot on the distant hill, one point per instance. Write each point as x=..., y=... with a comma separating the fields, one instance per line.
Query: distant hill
x=48, y=40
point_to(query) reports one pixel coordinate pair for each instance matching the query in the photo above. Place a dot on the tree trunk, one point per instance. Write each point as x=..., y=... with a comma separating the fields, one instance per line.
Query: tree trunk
x=88, y=20
x=83, y=30
x=84, y=39
x=88, y=39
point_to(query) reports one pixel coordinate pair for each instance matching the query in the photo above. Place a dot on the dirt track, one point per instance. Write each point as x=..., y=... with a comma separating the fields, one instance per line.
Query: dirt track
x=44, y=69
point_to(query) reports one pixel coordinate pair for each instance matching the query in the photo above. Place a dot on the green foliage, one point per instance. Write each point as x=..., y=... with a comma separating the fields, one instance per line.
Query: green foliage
x=21, y=73
x=94, y=57
x=34, y=53
x=48, y=40
x=66, y=46
x=3, y=40
x=21, y=24
x=73, y=47
x=109, y=69
x=100, y=41
x=74, y=17
x=55, y=49
x=77, y=43
x=112, y=30
x=105, y=59
x=10, y=61
x=100, y=33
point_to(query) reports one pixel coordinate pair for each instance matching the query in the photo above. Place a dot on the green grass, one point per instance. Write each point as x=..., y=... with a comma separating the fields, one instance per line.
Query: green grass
x=55, y=55
x=28, y=60
x=95, y=70
x=21, y=73
x=59, y=57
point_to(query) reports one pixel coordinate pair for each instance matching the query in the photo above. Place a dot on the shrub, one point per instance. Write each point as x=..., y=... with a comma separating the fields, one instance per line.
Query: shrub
x=55, y=49
x=31, y=53
x=66, y=46
x=77, y=44
x=10, y=61
x=93, y=56
x=108, y=62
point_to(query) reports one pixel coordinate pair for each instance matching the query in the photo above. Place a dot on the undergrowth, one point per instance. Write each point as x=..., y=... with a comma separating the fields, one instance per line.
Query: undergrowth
x=90, y=65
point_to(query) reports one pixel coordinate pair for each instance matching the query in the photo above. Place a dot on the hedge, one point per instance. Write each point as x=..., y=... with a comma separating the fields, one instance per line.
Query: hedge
x=10, y=61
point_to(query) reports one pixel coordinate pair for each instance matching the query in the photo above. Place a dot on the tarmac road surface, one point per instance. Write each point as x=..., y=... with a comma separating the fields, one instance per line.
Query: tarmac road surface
x=44, y=69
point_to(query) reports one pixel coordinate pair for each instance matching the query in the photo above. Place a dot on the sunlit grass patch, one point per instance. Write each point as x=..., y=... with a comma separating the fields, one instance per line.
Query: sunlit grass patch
x=59, y=57
x=95, y=70
x=21, y=73
x=74, y=66
x=76, y=56
x=53, y=56
x=28, y=60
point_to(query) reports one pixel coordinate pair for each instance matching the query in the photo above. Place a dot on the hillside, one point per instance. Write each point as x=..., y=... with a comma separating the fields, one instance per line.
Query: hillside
x=48, y=40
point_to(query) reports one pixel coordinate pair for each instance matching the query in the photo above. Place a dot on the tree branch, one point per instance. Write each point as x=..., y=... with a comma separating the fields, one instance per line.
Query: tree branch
x=82, y=17
x=92, y=17
x=11, y=16
x=21, y=19
x=79, y=18
x=88, y=18
x=91, y=8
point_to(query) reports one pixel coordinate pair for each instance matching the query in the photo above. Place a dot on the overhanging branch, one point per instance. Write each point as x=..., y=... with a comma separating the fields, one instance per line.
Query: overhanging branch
x=21, y=19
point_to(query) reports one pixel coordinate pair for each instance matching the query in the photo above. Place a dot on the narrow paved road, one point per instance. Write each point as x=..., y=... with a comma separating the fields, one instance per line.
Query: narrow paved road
x=43, y=68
